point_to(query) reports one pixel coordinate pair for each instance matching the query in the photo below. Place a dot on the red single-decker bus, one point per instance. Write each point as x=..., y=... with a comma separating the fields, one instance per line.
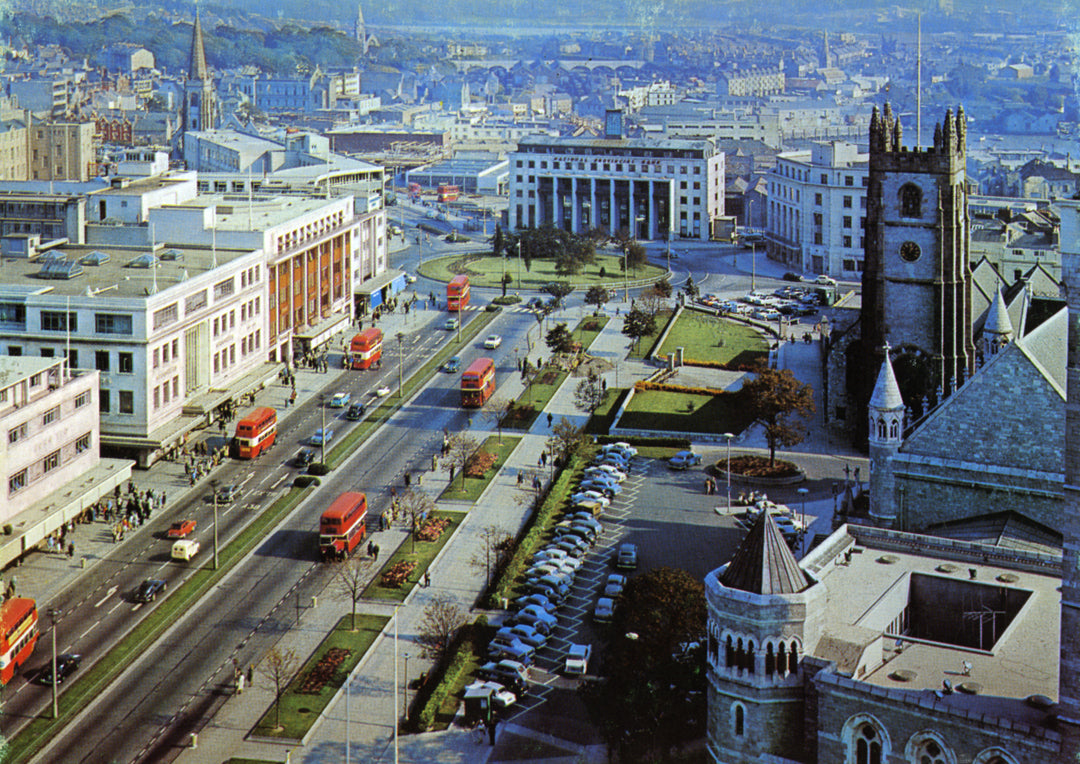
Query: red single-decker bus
x=18, y=634
x=255, y=433
x=366, y=348
x=343, y=526
x=457, y=293
x=478, y=383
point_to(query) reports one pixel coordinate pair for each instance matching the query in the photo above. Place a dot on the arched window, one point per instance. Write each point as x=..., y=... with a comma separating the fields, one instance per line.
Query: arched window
x=738, y=714
x=995, y=755
x=910, y=201
x=770, y=660
x=729, y=653
x=894, y=429
x=749, y=657
x=781, y=659
x=882, y=428
x=793, y=658
x=740, y=655
x=867, y=745
x=930, y=753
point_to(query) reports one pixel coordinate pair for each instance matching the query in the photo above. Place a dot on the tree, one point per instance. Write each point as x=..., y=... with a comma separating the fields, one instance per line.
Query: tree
x=638, y=324
x=443, y=620
x=352, y=578
x=636, y=256
x=497, y=243
x=560, y=339
x=589, y=393
x=651, y=303
x=498, y=409
x=415, y=504
x=461, y=448
x=506, y=280
x=662, y=288
x=597, y=295
x=690, y=289
x=496, y=544
x=278, y=666
x=775, y=399
x=558, y=290
x=654, y=694
x=565, y=439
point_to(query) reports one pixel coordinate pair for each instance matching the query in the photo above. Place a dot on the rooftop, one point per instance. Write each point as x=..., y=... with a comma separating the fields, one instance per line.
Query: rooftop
x=235, y=212
x=13, y=368
x=661, y=144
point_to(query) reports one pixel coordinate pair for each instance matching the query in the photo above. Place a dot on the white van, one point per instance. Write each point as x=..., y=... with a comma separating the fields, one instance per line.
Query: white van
x=185, y=549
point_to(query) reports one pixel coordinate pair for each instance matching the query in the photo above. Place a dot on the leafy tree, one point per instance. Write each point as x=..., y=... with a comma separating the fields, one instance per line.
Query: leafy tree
x=352, y=578
x=662, y=288
x=557, y=289
x=776, y=398
x=636, y=256
x=560, y=339
x=278, y=666
x=506, y=280
x=589, y=393
x=597, y=295
x=443, y=620
x=638, y=324
x=565, y=438
x=690, y=289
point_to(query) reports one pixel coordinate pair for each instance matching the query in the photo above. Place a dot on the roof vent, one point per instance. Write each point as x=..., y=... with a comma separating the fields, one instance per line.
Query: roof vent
x=888, y=559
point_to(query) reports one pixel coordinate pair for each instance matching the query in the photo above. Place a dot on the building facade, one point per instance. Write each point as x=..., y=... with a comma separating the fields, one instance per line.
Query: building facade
x=62, y=151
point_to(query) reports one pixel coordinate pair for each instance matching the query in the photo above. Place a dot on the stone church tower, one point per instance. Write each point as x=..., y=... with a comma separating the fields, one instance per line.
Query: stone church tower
x=886, y=435
x=200, y=101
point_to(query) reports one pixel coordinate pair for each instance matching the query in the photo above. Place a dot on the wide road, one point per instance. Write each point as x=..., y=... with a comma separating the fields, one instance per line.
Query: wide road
x=176, y=686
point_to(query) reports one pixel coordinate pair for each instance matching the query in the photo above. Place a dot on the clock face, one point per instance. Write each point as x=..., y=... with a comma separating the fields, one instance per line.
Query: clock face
x=910, y=251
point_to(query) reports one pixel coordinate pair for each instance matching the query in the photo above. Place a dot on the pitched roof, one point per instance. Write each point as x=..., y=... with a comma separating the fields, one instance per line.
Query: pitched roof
x=763, y=563
x=886, y=394
x=197, y=69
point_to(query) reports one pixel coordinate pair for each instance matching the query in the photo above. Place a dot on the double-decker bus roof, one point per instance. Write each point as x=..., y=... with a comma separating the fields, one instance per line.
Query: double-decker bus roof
x=368, y=335
x=477, y=367
x=256, y=416
x=343, y=504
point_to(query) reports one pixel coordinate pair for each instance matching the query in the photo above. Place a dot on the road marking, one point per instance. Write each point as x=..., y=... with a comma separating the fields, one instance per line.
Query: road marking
x=137, y=606
x=114, y=607
x=108, y=594
x=83, y=635
x=279, y=481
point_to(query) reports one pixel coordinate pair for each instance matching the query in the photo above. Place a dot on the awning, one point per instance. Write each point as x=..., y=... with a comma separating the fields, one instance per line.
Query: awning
x=375, y=284
x=375, y=299
x=315, y=336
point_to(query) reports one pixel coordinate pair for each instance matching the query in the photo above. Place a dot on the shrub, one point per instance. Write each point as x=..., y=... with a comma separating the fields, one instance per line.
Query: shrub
x=660, y=441
x=479, y=463
x=8, y=530
x=303, y=481
x=510, y=299
x=432, y=694
x=758, y=466
x=642, y=385
x=431, y=529
x=317, y=468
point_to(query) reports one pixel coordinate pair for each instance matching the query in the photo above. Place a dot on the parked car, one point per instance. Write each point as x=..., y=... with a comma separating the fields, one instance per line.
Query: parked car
x=613, y=459
x=509, y=673
x=586, y=519
x=539, y=614
x=515, y=650
x=181, y=528
x=594, y=508
x=825, y=280
x=409, y=278
x=492, y=341
x=531, y=619
x=452, y=365
x=525, y=633
x=500, y=696
x=320, y=437
x=355, y=412
x=583, y=532
x=66, y=665
x=620, y=447
x=684, y=460
x=606, y=470
x=577, y=659
x=538, y=600
x=451, y=324
x=340, y=400
x=626, y=557
x=614, y=585
x=574, y=546
x=607, y=487
x=790, y=276
x=604, y=610
x=590, y=496
x=149, y=590
x=304, y=457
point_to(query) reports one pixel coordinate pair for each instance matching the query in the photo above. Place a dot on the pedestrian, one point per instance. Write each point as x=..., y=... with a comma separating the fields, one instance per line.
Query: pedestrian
x=451, y=473
x=427, y=579
x=370, y=545
x=706, y=485
x=549, y=419
x=376, y=551
x=520, y=477
x=543, y=458
x=250, y=674
x=71, y=549
x=408, y=479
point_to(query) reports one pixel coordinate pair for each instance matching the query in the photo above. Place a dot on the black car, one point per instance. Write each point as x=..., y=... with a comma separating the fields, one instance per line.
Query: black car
x=353, y=414
x=790, y=276
x=66, y=665
x=227, y=493
x=149, y=589
x=304, y=457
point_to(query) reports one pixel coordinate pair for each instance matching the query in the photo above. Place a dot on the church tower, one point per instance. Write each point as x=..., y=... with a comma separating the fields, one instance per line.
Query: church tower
x=200, y=102
x=917, y=279
x=361, y=29
x=886, y=434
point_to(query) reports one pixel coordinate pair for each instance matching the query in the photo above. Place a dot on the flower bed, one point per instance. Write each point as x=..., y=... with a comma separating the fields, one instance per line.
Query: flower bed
x=643, y=385
x=758, y=466
x=397, y=574
x=520, y=412
x=324, y=671
x=479, y=463
x=431, y=529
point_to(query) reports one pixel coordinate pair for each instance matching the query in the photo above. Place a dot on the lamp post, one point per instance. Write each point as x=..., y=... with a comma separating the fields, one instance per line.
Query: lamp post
x=396, y=724
x=348, y=690
x=519, y=264
x=214, y=492
x=53, y=612
x=400, y=342
x=728, y=436
x=405, y=689
x=322, y=438
x=802, y=530
x=753, y=265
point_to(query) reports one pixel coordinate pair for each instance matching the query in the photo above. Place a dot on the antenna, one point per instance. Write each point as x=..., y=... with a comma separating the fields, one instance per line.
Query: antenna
x=918, y=89
x=250, y=192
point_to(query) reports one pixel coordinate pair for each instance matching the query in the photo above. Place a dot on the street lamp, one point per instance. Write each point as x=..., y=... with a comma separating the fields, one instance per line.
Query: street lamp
x=213, y=489
x=802, y=494
x=322, y=438
x=519, y=264
x=728, y=436
x=400, y=342
x=405, y=689
x=348, y=691
x=53, y=613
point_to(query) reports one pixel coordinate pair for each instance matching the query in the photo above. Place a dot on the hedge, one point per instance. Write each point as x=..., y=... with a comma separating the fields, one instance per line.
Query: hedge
x=317, y=468
x=642, y=385
x=753, y=367
x=303, y=481
x=430, y=701
x=510, y=299
x=657, y=441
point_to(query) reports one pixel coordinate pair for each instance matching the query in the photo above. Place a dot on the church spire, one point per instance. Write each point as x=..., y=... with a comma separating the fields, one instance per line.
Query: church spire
x=998, y=328
x=197, y=68
x=763, y=563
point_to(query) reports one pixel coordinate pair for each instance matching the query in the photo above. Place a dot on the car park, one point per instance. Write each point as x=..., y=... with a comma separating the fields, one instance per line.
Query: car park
x=766, y=314
x=355, y=412
x=227, y=494
x=500, y=696
x=340, y=400
x=149, y=590
x=492, y=341
x=604, y=610
x=451, y=324
x=606, y=470
x=452, y=365
x=684, y=460
x=577, y=659
x=181, y=528
x=626, y=556
x=304, y=457
x=574, y=546
x=321, y=437
x=66, y=665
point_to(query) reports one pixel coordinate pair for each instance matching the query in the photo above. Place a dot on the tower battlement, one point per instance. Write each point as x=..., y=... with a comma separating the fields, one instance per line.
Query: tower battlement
x=946, y=154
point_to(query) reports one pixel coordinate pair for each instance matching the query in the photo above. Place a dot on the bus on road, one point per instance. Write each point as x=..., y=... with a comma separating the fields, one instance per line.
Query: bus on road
x=478, y=383
x=255, y=433
x=18, y=634
x=366, y=349
x=457, y=293
x=343, y=525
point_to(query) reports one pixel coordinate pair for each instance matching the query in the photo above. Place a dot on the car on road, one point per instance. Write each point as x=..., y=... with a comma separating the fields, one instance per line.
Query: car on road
x=626, y=557
x=410, y=279
x=149, y=590
x=684, y=460
x=321, y=437
x=577, y=659
x=452, y=365
x=304, y=457
x=492, y=341
x=340, y=400
x=382, y=392
x=791, y=276
x=604, y=610
x=500, y=696
x=181, y=528
x=825, y=280
x=534, y=304
x=184, y=549
x=66, y=665
x=355, y=412
x=451, y=324
x=227, y=494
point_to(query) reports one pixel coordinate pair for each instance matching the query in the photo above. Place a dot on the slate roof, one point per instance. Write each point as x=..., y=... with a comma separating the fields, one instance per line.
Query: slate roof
x=886, y=396
x=763, y=563
x=997, y=317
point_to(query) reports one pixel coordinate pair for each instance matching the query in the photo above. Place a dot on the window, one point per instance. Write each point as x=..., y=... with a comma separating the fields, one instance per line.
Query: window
x=12, y=313
x=15, y=434
x=847, y=202
x=73, y=359
x=112, y=323
x=157, y=398
x=817, y=199
x=50, y=416
x=930, y=753
x=739, y=719
x=167, y=315
x=51, y=462
x=849, y=180
x=824, y=178
x=127, y=402
x=17, y=482
x=14, y=350
x=215, y=327
x=48, y=352
x=101, y=360
x=847, y=241
x=125, y=363
x=818, y=218
x=176, y=387
x=224, y=288
x=195, y=302
x=82, y=399
x=910, y=201
x=847, y=221
x=157, y=357
x=82, y=444
x=58, y=321
x=104, y=401
x=176, y=348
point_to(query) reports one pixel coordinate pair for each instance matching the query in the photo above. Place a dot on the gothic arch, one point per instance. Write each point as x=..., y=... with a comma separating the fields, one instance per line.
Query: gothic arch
x=994, y=755
x=738, y=719
x=928, y=747
x=865, y=740
x=911, y=199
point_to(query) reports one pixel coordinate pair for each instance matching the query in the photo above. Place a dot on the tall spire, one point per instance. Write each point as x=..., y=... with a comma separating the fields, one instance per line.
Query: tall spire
x=197, y=68
x=886, y=395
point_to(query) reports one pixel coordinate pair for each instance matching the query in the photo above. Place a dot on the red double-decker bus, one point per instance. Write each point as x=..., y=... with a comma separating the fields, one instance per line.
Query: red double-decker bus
x=255, y=433
x=457, y=293
x=343, y=526
x=478, y=383
x=448, y=193
x=366, y=348
x=18, y=634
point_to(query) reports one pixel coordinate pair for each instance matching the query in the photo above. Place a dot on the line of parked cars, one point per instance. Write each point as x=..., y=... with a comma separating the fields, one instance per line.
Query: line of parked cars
x=766, y=306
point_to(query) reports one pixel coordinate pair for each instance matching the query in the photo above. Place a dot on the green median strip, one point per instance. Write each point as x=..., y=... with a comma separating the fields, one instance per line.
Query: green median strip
x=324, y=673
x=419, y=554
x=466, y=488
x=33, y=736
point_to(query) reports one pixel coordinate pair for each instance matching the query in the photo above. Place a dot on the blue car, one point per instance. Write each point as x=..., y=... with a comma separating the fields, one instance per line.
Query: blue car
x=320, y=437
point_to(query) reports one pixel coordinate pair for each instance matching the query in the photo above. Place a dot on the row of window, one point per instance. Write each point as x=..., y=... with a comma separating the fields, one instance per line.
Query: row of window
x=605, y=166
x=162, y=392
x=22, y=430
x=21, y=479
x=162, y=354
x=61, y=321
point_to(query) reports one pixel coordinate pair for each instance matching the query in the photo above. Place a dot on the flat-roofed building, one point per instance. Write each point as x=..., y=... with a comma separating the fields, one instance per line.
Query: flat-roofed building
x=62, y=151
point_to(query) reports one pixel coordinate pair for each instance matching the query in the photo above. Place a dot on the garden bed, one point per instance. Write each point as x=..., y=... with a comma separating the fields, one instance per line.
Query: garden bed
x=474, y=485
x=422, y=557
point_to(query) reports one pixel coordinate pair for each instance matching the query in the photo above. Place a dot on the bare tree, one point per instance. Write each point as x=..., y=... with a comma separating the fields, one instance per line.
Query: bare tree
x=589, y=393
x=461, y=448
x=496, y=542
x=651, y=303
x=279, y=666
x=352, y=578
x=498, y=409
x=415, y=504
x=565, y=438
x=443, y=619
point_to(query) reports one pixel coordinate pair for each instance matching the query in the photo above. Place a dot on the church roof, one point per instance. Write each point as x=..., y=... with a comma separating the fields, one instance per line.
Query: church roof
x=997, y=317
x=886, y=394
x=763, y=563
x=197, y=69
x=1046, y=345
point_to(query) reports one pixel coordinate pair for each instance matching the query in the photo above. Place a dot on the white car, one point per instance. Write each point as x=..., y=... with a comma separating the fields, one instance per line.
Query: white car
x=606, y=470
x=577, y=659
x=493, y=341
x=619, y=447
x=382, y=392
x=500, y=696
x=825, y=280
x=409, y=278
x=604, y=610
x=590, y=496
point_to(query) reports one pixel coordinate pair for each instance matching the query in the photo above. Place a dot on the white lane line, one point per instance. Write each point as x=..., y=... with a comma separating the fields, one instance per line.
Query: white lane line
x=136, y=607
x=280, y=480
x=114, y=607
x=162, y=566
x=108, y=594
x=83, y=635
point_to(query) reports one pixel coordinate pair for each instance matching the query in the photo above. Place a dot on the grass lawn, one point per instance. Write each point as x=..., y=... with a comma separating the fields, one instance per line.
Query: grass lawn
x=686, y=412
x=250, y=761
x=487, y=271
x=588, y=329
x=300, y=710
x=475, y=486
x=715, y=340
x=644, y=345
x=536, y=397
x=424, y=554
x=604, y=416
